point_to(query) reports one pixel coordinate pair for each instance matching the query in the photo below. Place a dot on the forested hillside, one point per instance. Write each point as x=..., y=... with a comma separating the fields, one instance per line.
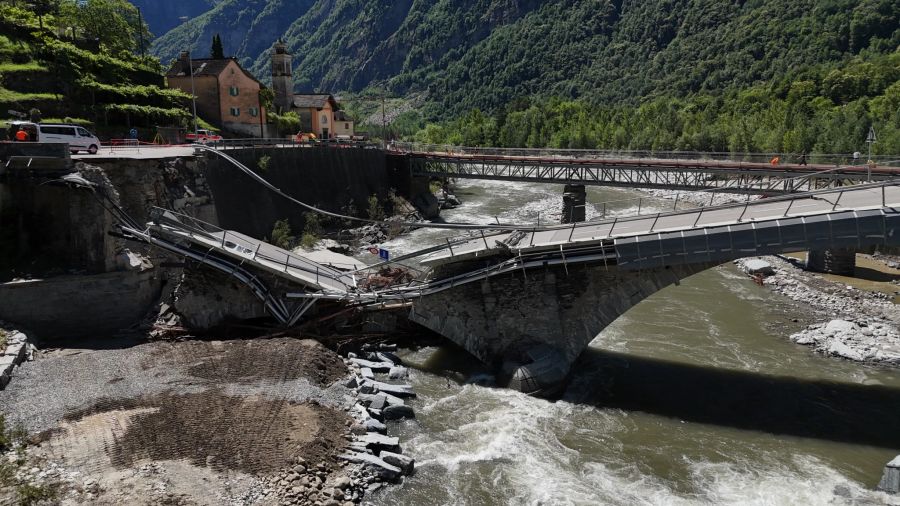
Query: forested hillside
x=767, y=75
x=487, y=53
x=164, y=15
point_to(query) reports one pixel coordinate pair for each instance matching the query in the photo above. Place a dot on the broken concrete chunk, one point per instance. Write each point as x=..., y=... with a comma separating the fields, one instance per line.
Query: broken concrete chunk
x=379, y=402
x=757, y=266
x=374, y=425
x=406, y=464
x=390, y=399
x=890, y=481
x=398, y=372
x=373, y=439
x=375, y=366
x=397, y=412
x=383, y=468
x=386, y=356
x=398, y=390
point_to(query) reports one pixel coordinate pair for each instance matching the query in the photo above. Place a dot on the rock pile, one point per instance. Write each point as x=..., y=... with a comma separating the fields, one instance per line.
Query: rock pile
x=372, y=458
x=833, y=299
x=313, y=484
x=862, y=325
x=863, y=340
x=377, y=455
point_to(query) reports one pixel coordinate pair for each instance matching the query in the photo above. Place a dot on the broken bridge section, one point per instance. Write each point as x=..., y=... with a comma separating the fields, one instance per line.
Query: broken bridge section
x=246, y=259
x=244, y=249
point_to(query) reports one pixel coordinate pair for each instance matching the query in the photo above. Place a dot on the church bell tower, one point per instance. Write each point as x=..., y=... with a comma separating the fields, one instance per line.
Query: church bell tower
x=282, y=82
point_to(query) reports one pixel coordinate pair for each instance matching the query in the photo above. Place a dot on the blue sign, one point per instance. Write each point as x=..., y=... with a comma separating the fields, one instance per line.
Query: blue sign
x=383, y=254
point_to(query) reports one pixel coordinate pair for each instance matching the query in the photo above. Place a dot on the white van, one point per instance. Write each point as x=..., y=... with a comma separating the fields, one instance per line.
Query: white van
x=78, y=138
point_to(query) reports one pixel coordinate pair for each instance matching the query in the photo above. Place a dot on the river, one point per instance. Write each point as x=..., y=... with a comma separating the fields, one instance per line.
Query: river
x=695, y=396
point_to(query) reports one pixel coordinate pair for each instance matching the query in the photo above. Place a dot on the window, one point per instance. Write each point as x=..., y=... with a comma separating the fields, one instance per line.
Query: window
x=346, y=126
x=253, y=111
x=234, y=91
x=58, y=130
x=324, y=119
x=235, y=111
x=84, y=133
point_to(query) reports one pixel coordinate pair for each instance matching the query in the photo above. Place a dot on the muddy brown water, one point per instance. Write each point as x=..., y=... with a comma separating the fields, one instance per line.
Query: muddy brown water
x=695, y=396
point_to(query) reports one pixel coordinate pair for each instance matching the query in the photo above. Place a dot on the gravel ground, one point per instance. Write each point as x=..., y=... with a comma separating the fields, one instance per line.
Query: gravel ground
x=196, y=422
x=45, y=391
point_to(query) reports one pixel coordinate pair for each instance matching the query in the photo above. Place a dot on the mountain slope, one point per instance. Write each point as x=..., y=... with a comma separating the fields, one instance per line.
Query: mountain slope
x=164, y=15
x=488, y=53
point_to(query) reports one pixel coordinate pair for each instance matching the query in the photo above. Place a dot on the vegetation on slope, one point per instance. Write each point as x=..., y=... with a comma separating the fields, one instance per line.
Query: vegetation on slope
x=68, y=64
x=488, y=53
x=824, y=110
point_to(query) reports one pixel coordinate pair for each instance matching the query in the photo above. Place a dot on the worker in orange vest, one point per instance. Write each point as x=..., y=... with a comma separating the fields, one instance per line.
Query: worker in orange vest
x=22, y=135
x=775, y=161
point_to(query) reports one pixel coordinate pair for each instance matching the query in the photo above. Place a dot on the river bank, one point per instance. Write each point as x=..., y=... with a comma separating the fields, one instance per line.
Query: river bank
x=854, y=322
x=261, y=421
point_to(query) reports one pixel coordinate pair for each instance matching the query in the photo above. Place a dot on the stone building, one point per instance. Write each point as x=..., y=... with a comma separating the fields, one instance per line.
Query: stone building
x=227, y=95
x=318, y=112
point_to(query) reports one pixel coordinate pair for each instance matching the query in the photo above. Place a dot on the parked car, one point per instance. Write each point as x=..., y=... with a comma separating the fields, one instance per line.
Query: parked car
x=77, y=137
x=203, y=136
x=305, y=137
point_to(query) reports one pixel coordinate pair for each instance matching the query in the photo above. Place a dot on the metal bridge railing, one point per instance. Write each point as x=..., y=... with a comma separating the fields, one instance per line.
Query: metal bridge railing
x=598, y=154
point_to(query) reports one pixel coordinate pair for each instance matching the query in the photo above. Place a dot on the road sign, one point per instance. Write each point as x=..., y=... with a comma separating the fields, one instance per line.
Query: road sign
x=871, y=137
x=384, y=254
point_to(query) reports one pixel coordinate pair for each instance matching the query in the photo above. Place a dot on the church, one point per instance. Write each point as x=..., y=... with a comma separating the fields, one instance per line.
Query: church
x=319, y=112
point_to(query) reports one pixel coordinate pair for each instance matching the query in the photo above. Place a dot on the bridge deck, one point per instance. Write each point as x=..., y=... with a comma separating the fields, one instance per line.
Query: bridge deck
x=270, y=258
x=568, y=236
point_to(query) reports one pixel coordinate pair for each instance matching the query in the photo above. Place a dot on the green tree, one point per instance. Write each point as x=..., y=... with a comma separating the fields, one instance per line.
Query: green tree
x=42, y=8
x=217, y=52
x=114, y=23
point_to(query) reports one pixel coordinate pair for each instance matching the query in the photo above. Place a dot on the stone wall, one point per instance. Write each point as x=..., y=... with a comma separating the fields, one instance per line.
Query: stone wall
x=47, y=229
x=334, y=179
x=77, y=306
x=174, y=183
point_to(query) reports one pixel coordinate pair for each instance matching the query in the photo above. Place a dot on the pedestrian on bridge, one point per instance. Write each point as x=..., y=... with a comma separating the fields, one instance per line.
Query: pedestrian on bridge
x=802, y=159
x=775, y=161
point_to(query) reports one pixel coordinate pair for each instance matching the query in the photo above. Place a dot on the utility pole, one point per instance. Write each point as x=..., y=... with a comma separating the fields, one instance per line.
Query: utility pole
x=193, y=94
x=383, y=121
x=870, y=139
x=141, y=31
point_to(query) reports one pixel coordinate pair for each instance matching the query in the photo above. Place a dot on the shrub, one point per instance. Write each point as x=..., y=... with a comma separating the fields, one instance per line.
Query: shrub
x=281, y=234
x=263, y=163
x=375, y=211
x=308, y=240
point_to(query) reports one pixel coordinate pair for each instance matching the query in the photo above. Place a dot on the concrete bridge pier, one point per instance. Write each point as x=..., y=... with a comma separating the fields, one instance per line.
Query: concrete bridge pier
x=574, y=198
x=841, y=261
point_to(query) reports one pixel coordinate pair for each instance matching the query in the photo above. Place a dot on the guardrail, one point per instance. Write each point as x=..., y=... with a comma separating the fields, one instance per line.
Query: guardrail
x=287, y=142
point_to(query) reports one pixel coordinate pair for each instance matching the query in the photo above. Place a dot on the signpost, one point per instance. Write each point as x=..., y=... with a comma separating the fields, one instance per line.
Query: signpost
x=870, y=139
